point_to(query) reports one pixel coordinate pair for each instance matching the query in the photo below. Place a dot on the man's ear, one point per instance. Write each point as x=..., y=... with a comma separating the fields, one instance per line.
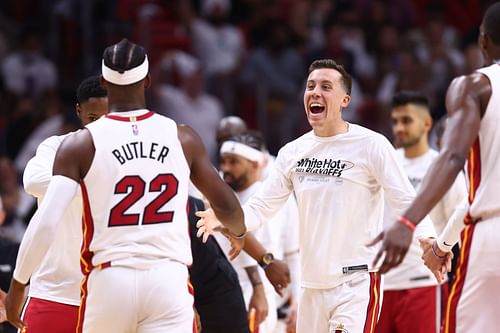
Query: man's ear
x=345, y=101
x=147, y=81
x=78, y=110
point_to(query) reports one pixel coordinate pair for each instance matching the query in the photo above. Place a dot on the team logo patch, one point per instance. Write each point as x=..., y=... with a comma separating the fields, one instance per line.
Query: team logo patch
x=135, y=129
x=340, y=329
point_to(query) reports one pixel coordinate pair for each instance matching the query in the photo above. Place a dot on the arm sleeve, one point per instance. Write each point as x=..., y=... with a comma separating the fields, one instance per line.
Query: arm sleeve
x=269, y=198
x=451, y=233
x=398, y=190
x=38, y=171
x=40, y=232
x=453, y=198
x=388, y=172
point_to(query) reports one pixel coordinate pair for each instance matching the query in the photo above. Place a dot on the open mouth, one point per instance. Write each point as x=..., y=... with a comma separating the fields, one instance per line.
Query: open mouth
x=316, y=108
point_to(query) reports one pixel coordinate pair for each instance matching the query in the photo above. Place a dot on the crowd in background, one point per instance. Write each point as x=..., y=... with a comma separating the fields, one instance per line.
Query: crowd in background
x=211, y=58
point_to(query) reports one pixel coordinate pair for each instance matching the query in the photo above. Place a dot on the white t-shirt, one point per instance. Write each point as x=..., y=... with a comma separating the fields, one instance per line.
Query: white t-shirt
x=339, y=183
x=412, y=273
x=59, y=275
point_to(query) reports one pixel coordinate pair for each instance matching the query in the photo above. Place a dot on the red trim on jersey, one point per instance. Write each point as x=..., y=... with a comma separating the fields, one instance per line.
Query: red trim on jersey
x=130, y=118
x=474, y=174
x=83, y=303
x=373, y=308
x=85, y=253
x=450, y=321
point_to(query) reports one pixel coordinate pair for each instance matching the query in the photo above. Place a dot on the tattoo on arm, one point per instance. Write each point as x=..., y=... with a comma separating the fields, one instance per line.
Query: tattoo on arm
x=253, y=275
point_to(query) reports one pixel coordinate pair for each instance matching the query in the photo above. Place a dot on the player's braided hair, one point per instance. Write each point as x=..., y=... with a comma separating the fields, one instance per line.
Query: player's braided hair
x=124, y=55
x=491, y=23
x=88, y=88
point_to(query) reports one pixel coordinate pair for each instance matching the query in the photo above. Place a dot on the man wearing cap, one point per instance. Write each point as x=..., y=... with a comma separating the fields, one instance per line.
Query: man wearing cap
x=133, y=167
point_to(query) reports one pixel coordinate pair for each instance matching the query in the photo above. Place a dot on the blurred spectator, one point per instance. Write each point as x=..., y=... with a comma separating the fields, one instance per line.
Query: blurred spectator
x=8, y=255
x=275, y=73
x=220, y=47
x=52, y=124
x=17, y=204
x=27, y=72
x=188, y=103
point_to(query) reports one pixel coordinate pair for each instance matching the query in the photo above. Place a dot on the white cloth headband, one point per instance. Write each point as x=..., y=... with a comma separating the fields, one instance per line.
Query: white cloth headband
x=237, y=148
x=128, y=77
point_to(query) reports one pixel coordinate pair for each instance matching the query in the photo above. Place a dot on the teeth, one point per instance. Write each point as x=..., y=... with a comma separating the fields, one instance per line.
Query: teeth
x=316, y=105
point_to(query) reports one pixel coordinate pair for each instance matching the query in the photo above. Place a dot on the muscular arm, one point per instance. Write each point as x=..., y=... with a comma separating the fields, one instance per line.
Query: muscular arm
x=205, y=178
x=466, y=101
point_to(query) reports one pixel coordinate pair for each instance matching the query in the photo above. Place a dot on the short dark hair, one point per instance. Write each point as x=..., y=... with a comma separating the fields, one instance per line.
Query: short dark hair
x=403, y=98
x=251, y=138
x=330, y=63
x=491, y=23
x=123, y=56
x=88, y=88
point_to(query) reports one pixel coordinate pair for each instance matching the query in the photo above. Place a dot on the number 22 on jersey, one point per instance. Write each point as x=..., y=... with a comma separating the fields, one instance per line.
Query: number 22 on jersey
x=165, y=184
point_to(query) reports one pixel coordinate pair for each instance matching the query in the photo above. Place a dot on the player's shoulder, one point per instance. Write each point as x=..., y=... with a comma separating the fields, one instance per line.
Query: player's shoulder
x=55, y=141
x=368, y=136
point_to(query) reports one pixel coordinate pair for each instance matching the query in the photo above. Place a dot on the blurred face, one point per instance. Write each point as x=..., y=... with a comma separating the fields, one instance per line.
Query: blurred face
x=324, y=99
x=92, y=109
x=409, y=125
x=236, y=171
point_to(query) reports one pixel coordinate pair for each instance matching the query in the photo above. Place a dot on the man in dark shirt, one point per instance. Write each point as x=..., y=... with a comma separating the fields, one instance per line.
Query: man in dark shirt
x=217, y=292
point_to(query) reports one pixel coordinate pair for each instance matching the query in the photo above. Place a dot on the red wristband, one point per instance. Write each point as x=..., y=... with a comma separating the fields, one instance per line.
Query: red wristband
x=407, y=223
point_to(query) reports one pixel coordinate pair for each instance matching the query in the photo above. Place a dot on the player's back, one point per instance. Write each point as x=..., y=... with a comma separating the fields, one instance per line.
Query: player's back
x=135, y=192
x=484, y=157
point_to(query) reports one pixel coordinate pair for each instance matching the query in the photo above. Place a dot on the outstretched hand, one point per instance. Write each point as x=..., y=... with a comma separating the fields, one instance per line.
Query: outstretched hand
x=438, y=266
x=395, y=243
x=237, y=244
x=207, y=223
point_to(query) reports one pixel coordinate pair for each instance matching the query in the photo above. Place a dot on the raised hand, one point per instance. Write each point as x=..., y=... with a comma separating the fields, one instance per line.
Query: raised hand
x=237, y=243
x=207, y=224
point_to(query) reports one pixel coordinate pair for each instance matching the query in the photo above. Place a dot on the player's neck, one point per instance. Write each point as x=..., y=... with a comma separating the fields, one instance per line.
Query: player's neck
x=417, y=150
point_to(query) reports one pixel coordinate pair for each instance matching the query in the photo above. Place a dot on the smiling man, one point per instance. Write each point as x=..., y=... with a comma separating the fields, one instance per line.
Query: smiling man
x=338, y=173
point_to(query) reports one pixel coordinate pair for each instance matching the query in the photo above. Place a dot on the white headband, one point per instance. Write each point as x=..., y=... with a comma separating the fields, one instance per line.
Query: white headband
x=237, y=148
x=128, y=77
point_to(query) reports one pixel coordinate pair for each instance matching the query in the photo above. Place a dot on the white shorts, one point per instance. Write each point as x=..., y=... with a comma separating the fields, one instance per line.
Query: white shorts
x=474, y=301
x=123, y=300
x=352, y=307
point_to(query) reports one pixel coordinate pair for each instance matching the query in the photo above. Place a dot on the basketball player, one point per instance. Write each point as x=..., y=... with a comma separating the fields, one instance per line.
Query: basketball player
x=412, y=296
x=54, y=293
x=471, y=134
x=133, y=167
x=241, y=162
x=338, y=173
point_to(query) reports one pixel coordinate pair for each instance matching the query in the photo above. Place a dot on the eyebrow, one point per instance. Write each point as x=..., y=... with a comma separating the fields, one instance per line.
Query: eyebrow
x=322, y=81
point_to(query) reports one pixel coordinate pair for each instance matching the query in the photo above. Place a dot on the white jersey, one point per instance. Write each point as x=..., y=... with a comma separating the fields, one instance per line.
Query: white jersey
x=135, y=192
x=484, y=155
x=59, y=276
x=412, y=273
x=339, y=184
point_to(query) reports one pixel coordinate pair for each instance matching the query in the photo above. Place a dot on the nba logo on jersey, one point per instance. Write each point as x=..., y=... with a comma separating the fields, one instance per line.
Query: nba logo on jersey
x=135, y=129
x=340, y=329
